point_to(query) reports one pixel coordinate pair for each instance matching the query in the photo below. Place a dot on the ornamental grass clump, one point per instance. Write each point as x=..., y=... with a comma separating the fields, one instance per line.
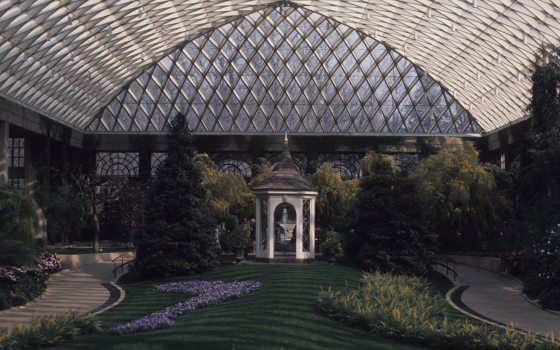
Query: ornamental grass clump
x=48, y=331
x=404, y=307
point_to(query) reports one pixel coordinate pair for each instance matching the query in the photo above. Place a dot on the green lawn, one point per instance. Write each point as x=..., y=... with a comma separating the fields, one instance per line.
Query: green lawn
x=280, y=315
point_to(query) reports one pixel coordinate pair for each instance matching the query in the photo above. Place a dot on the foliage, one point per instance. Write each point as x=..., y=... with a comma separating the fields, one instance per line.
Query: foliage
x=89, y=185
x=234, y=235
x=66, y=214
x=389, y=234
x=16, y=253
x=459, y=195
x=178, y=238
x=259, y=170
x=48, y=331
x=537, y=168
x=331, y=243
x=403, y=307
x=204, y=293
x=123, y=216
x=225, y=193
x=22, y=283
x=543, y=281
x=335, y=198
x=18, y=217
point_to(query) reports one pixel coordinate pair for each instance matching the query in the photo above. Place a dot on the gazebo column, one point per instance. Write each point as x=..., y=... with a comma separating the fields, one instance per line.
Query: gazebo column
x=258, y=228
x=312, y=229
x=298, y=205
x=272, y=203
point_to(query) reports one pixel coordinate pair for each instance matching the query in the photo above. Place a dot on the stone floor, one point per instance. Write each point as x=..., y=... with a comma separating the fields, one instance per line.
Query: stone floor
x=499, y=298
x=83, y=290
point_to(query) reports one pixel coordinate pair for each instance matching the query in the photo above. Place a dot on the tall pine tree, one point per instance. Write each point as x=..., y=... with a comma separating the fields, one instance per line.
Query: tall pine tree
x=178, y=238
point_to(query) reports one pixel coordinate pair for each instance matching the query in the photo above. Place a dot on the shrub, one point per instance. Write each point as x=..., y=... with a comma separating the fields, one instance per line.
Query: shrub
x=48, y=331
x=389, y=233
x=16, y=253
x=18, y=217
x=331, y=243
x=403, y=307
x=543, y=282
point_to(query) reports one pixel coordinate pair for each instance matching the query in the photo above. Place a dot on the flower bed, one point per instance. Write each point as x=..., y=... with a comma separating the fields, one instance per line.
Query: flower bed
x=205, y=293
x=20, y=284
x=403, y=307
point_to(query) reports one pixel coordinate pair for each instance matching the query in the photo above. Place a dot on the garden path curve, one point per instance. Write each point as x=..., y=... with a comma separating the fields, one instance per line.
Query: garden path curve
x=86, y=289
x=498, y=298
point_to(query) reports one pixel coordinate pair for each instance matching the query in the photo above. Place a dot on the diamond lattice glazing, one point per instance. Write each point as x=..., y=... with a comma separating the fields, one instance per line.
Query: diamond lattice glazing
x=68, y=59
x=286, y=69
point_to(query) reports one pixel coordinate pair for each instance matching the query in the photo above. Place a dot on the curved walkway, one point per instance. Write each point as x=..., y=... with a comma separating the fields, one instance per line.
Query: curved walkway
x=87, y=290
x=494, y=297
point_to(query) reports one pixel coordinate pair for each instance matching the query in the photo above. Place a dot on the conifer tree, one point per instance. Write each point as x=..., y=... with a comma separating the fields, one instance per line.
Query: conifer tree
x=178, y=238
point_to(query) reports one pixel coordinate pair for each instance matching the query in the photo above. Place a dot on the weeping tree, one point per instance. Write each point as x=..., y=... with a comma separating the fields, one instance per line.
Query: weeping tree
x=226, y=193
x=178, y=237
x=459, y=195
x=335, y=198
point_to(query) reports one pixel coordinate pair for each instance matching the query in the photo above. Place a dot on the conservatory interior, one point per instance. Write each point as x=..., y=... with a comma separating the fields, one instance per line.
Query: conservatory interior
x=366, y=158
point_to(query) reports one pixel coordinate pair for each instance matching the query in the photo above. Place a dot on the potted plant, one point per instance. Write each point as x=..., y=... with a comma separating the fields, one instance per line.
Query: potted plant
x=331, y=246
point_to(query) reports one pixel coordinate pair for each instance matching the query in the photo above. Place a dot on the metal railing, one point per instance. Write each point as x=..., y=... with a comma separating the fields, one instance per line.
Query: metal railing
x=117, y=266
x=449, y=265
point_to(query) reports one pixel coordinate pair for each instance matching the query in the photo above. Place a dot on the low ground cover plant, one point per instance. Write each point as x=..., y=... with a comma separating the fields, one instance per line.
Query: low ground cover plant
x=404, y=307
x=20, y=284
x=205, y=293
x=47, y=331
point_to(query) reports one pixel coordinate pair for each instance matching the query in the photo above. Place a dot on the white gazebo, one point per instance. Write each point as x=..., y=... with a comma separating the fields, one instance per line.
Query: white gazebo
x=285, y=213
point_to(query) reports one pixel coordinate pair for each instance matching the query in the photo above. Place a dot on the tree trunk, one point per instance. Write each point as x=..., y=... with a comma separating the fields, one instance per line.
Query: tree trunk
x=95, y=215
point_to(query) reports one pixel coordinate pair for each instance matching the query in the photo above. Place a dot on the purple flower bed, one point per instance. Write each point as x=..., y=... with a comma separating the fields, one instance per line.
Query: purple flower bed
x=205, y=293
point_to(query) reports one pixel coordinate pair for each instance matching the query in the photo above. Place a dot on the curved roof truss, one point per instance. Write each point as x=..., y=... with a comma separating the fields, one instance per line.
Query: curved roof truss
x=67, y=59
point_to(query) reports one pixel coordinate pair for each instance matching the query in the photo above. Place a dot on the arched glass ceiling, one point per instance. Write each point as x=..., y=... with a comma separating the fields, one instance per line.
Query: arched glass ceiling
x=286, y=69
x=68, y=58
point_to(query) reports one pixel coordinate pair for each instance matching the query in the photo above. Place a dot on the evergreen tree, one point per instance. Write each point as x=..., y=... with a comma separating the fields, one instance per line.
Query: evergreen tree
x=538, y=178
x=389, y=234
x=178, y=238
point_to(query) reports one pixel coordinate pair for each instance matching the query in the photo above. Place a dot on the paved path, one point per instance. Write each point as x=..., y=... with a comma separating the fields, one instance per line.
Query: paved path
x=80, y=289
x=498, y=297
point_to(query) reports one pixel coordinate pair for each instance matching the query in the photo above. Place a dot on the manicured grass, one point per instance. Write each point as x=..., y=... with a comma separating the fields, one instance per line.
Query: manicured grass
x=280, y=315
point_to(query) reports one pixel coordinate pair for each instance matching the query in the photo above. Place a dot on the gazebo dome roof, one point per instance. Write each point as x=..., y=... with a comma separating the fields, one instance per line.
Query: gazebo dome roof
x=285, y=176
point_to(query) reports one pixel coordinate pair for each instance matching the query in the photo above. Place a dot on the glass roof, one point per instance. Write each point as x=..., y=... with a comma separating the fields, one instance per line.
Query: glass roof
x=286, y=69
x=68, y=59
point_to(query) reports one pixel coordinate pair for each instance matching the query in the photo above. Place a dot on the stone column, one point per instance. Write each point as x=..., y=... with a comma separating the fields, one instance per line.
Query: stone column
x=312, y=228
x=4, y=151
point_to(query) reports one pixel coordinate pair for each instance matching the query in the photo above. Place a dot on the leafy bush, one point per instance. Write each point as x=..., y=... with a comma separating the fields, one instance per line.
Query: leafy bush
x=235, y=237
x=16, y=253
x=543, y=281
x=331, y=243
x=66, y=214
x=18, y=217
x=48, y=331
x=403, y=307
x=20, y=284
